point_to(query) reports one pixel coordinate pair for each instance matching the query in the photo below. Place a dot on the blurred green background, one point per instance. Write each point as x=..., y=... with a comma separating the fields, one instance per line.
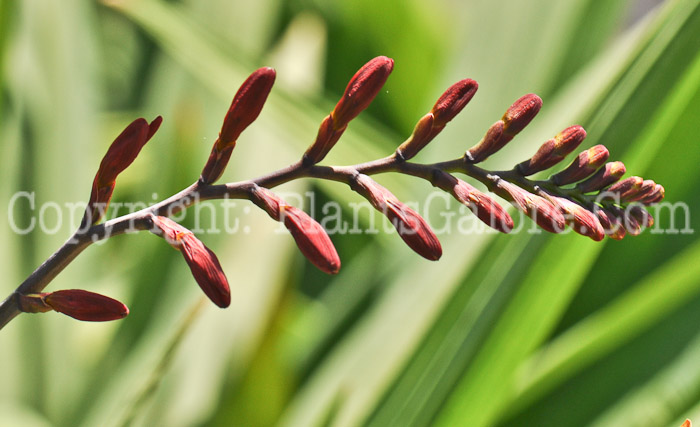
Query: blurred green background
x=504, y=330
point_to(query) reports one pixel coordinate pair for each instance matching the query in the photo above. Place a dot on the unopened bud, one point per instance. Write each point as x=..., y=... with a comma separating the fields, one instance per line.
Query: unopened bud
x=584, y=165
x=455, y=98
x=608, y=174
x=418, y=139
x=655, y=196
x=493, y=141
x=121, y=153
x=642, y=216
x=412, y=228
x=645, y=189
x=246, y=105
x=245, y=108
x=203, y=263
x=311, y=239
x=86, y=306
x=554, y=150
x=543, y=212
x=580, y=219
x=483, y=206
x=521, y=113
x=611, y=224
x=361, y=90
x=625, y=188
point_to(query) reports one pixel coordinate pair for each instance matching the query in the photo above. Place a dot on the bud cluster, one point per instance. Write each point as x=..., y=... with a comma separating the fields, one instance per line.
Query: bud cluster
x=588, y=195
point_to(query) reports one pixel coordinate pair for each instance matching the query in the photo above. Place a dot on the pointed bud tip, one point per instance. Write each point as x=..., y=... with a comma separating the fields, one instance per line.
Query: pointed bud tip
x=521, y=113
x=453, y=100
x=311, y=239
x=361, y=90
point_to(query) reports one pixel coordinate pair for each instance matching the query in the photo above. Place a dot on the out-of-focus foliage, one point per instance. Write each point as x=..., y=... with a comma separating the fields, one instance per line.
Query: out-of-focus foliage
x=504, y=330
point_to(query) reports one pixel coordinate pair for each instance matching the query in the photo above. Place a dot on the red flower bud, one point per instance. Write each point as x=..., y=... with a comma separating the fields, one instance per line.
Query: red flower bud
x=245, y=108
x=646, y=188
x=655, y=196
x=420, y=137
x=611, y=224
x=483, y=206
x=455, y=98
x=521, y=113
x=361, y=90
x=414, y=230
x=643, y=217
x=203, y=263
x=544, y=213
x=359, y=93
x=311, y=238
x=625, y=188
x=554, y=150
x=583, y=166
x=544, y=158
x=246, y=105
x=411, y=227
x=569, y=139
x=84, y=305
x=605, y=176
x=121, y=153
x=583, y=221
x=493, y=141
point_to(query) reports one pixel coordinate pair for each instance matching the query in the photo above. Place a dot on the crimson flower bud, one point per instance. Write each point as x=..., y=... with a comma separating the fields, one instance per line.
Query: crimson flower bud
x=121, y=153
x=493, y=141
x=360, y=92
x=311, y=238
x=84, y=305
x=611, y=224
x=245, y=108
x=583, y=166
x=554, y=150
x=625, y=188
x=420, y=137
x=655, y=196
x=521, y=113
x=483, y=206
x=452, y=102
x=543, y=212
x=412, y=228
x=203, y=263
x=646, y=188
x=580, y=219
x=643, y=217
x=605, y=176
